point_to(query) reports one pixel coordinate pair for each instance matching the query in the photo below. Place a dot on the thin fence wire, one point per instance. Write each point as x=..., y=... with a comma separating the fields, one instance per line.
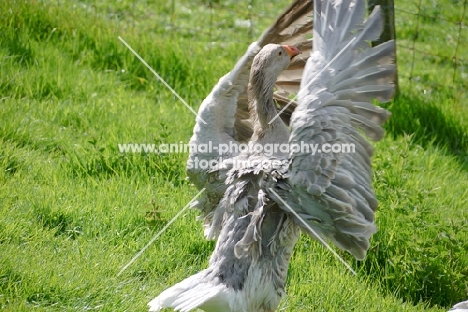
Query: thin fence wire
x=454, y=79
x=432, y=36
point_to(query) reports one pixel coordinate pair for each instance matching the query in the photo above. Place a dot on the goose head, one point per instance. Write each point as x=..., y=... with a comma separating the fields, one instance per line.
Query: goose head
x=268, y=64
x=266, y=67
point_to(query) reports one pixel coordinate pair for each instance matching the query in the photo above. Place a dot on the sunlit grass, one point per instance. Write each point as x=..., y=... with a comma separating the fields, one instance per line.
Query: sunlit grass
x=74, y=210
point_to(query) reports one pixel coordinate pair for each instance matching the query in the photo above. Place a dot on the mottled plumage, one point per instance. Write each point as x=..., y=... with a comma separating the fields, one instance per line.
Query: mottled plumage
x=332, y=192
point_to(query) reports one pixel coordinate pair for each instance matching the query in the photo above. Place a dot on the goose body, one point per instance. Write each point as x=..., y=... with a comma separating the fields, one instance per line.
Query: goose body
x=250, y=194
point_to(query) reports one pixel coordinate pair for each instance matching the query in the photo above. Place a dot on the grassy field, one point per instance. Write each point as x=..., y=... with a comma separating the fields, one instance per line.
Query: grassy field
x=74, y=210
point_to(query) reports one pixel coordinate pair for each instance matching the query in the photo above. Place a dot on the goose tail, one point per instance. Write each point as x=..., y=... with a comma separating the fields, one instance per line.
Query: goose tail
x=195, y=292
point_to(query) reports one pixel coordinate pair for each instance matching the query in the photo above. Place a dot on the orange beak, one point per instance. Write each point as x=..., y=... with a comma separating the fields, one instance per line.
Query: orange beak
x=292, y=51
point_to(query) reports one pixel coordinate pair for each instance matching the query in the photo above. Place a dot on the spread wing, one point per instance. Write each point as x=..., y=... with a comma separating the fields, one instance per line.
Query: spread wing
x=225, y=110
x=215, y=126
x=332, y=190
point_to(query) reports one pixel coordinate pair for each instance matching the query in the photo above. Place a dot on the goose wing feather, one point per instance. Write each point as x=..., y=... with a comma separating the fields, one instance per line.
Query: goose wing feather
x=332, y=191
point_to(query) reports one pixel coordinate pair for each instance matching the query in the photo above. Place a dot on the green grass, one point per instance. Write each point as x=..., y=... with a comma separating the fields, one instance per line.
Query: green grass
x=74, y=210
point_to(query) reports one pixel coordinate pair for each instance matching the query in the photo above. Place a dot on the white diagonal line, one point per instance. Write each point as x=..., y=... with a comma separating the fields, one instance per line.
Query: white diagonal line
x=160, y=232
x=162, y=80
x=320, y=72
x=315, y=233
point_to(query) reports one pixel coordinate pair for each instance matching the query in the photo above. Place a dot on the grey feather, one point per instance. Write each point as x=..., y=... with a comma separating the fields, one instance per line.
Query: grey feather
x=247, y=207
x=341, y=98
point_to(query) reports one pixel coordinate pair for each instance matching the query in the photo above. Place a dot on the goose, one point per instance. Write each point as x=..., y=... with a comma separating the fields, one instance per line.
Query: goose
x=460, y=307
x=257, y=202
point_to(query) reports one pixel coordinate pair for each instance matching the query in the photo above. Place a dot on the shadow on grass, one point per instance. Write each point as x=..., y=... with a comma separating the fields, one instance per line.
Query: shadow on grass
x=429, y=125
x=431, y=268
x=18, y=48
